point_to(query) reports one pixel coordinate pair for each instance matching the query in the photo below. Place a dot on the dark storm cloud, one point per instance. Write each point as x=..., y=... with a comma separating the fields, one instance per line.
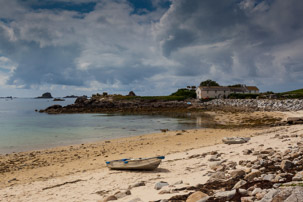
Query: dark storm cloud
x=203, y=22
x=248, y=39
x=48, y=65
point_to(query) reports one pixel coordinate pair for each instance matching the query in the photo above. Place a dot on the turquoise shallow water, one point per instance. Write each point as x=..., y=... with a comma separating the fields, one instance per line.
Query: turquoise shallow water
x=23, y=129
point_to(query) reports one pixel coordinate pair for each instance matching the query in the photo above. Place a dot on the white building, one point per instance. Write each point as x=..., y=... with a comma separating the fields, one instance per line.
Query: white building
x=223, y=91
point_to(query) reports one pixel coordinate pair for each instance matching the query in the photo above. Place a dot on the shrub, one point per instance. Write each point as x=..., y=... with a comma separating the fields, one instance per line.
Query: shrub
x=186, y=93
x=242, y=96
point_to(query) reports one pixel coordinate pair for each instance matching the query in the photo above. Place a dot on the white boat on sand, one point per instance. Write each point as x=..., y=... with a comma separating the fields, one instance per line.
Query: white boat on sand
x=135, y=164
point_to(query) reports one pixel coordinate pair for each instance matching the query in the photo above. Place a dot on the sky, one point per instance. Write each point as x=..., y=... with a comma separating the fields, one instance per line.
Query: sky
x=151, y=47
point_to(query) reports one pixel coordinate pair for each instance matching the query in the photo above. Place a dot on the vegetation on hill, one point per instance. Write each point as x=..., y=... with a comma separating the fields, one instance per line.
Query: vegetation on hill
x=209, y=83
x=151, y=98
x=186, y=93
x=296, y=92
x=242, y=96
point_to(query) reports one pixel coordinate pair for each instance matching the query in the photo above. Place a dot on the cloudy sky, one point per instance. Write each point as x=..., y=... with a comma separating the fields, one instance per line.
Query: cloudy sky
x=152, y=47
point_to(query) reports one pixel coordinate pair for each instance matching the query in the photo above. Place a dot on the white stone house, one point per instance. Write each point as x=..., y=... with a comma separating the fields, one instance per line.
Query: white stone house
x=223, y=91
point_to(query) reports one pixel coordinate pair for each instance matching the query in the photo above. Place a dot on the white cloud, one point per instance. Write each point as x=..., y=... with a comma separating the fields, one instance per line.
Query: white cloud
x=114, y=49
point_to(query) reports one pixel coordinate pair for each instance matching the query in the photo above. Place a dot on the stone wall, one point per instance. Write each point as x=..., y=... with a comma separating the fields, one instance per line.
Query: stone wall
x=258, y=104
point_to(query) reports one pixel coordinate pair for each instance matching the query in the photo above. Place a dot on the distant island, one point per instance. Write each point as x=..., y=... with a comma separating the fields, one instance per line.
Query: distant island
x=8, y=97
x=45, y=96
x=71, y=96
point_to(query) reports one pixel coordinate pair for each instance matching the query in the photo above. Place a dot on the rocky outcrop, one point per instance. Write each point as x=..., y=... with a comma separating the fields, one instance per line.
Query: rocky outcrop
x=58, y=100
x=46, y=96
x=107, y=105
x=131, y=93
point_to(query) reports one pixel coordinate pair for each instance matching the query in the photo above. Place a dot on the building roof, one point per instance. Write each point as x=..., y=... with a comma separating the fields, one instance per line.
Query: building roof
x=237, y=89
x=252, y=88
x=213, y=88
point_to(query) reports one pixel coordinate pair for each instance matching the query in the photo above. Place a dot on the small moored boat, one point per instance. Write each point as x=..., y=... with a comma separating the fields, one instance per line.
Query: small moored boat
x=135, y=164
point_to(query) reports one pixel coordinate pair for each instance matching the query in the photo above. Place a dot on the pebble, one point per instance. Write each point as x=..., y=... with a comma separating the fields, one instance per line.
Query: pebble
x=160, y=184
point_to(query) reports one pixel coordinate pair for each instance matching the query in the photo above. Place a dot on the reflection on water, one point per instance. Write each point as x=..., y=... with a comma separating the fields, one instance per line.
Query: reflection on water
x=23, y=129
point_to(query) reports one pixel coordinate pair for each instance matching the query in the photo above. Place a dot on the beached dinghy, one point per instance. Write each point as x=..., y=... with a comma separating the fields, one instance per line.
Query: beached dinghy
x=135, y=164
x=235, y=140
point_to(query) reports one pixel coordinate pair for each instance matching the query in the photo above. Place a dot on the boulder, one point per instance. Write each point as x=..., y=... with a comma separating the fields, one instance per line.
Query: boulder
x=80, y=100
x=252, y=175
x=298, y=176
x=52, y=108
x=110, y=198
x=131, y=93
x=228, y=195
x=286, y=165
x=216, y=176
x=225, y=195
x=237, y=173
x=196, y=196
x=214, y=165
x=247, y=199
x=289, y=194
x=239, y=184
x=295, y=120
x=255, y=191
x=269, y=177
x=269, y=196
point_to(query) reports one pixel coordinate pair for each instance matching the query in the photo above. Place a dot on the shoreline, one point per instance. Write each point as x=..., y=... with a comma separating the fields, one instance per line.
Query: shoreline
x=65, y=160
x=27, y=173
x=181, y=169
x=44, y=164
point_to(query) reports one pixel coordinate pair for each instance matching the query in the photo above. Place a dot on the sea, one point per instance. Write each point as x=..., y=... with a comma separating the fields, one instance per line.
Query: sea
x=22, y=128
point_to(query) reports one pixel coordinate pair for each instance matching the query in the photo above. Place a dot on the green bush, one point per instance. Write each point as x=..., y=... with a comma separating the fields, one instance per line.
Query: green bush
x=155, y=98
x=242, y=96
x=185, y=93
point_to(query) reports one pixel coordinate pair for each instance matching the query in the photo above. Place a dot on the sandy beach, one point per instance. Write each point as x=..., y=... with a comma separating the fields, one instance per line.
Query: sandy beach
x=78, y=172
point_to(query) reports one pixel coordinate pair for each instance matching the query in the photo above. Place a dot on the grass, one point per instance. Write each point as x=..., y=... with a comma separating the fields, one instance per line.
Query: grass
x=292, y=94
x=292, y=185
x=154, y=98
x=296, y=92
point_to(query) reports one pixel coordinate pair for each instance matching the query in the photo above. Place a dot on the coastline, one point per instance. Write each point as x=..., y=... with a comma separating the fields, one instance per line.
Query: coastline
x=44, y=167
x=65, y=160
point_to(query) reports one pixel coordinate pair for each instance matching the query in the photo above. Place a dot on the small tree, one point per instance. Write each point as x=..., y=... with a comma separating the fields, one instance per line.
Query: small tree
x=209, y=83
x=235, y=85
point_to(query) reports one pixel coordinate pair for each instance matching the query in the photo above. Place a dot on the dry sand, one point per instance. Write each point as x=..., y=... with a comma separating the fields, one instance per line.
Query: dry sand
x=81, y=174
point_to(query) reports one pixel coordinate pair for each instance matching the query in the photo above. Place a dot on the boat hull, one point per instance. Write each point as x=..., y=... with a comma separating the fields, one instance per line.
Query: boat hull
x=134, y=164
